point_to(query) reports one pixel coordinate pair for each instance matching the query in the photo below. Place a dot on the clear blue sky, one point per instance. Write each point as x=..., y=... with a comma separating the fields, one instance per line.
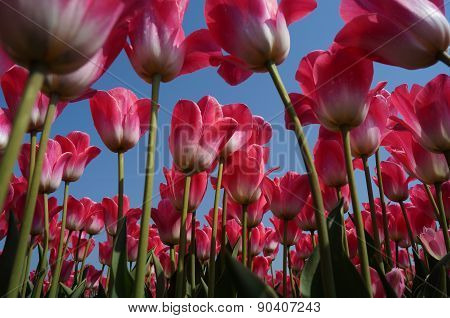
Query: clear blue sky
x=316, y=31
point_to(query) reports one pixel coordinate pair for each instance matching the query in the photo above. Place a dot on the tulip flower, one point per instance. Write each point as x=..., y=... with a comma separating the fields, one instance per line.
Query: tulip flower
x=203, y=243
x=433, y=242
x=306, y=219
x=94, y=219
x=3, y=225
x=5, y=128
x=257, y=240
x=255, y=211
x=271, y=244
x=289, y=195
x=168, y=222
x=81, y=247
x=77, y=144
x=92, y=277
x=76, y=213
x=421, y=200
x=398, y=231
x=376, y=284
x=104, y=252
x=254, y=34
x=110, y=210
x=174, y=189
x=331, y=198
x=5, y=62
x=395, y=181
x=304, y=246
x=417, y=105
x=396, y=278
x=419, y=220
x=120, y=118
x=260, y=266
x=132, y=247
x=196, y=140
x=234, y=234
x=412, y=34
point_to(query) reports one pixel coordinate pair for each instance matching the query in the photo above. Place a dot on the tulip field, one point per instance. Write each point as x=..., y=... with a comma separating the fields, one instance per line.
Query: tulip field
x=227, y=221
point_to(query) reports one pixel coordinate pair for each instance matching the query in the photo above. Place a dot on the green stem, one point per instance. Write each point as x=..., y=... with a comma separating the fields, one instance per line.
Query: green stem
x=387, y=245
x=172, y=258
x=408, y=226
x=285, y=256
x=77, y=250
x=291, y=275
x=212, y=251
x=344, y=232
x=271, y=273
x=362, y=248
x=30, y=202
x=442, y=219
x=373, y=214
x=432, y=201
x=83, y=262
x=32, y=163
x=19, y=128
x=244, y=234
x=27, y=270
x=223, y=240
x=182, y=248
x=313, y=239
x=42, y=271
x=324, y=244
x=139, y=287
x=54, y=286
x=192, y=251
x=444, y=57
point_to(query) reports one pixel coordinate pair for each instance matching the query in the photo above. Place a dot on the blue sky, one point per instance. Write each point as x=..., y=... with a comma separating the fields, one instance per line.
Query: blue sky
x=316, y=31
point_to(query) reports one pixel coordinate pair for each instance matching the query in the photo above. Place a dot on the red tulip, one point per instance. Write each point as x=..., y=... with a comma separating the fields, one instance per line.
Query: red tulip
x=5, y=128
x=76, y=213
x=377, y=285
x=5, y=62
x=110, y=210
x=367, y=219
x=306, y=219
x=62, y=38
x=428, y=167
x=120, y=118
x=271, y=244
x=419, y=219
x=13, y=84
x=426, y=112
x=304, y=246
x=260, y=266
x=293, y=231
x=166, y=263
x=3, y=224
x=257, y=240
x=234, y=234
x=338, y=82
x=92, y=277
x=396, y=278
x=397, y=226
x=261, y=131
x=255, y=211
x=433, y=242
x=331, y=199
x=105, y=252
x=168, y=222
x=132, y=247
x=409, y=34
x=94, y=220
x=174, y=189
x=77, y=144
x=420, y=199
x=243, y=176
x=203, y=243
x=210, y=218
x=79, y=247
x=446, y=198
x=289, y=195
x=297, y=262
x=159, y=46
x=367, y=137
x=198, y=133
x=352, y=239
x=329, y=159
x=66, y=272
x=395, y=181
x=253, y=33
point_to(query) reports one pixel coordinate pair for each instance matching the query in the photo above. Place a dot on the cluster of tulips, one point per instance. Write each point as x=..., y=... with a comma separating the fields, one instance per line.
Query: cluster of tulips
x=396, y=245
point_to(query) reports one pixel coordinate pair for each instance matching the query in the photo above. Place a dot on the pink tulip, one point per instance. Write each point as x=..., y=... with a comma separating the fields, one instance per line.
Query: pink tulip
x=395, y=181
x=132, y=247
x=367, y=220
x=166, y=263
x=76, y=85
x=271, y=244
x=377, y=285
x=3, y=224
x=331, y=199
x=79, y=247
x=289, y=195
x=426, y=112
x=13, y=84
x=94, y=220
x=254, y=33
x=168, y=222
x=244, y=177
x=338, y=82
x=433, y=242
x=5, y=62
x=428, y=167
x=198, y=133
x=210, y=218
x=261, y=131
x=203, y=243
x=92, y=277
x=397, y=226
x=174, y=189
x=306, y=219
x=77, y=144
x=257, y=240
x=260, y=266
x=329, y=159
x=110, y=210
x=293, y=231
x=396, y=278
x=159, y=46
x=297, y=262
x=304, y=246
x=409, y=34
x=61, y=39
x=105, y=252
x=120, y=118
x=5, y=128
x=234, y=234
x=367, y=137
x=76, y=213
x=255, y=211
x=352, y=240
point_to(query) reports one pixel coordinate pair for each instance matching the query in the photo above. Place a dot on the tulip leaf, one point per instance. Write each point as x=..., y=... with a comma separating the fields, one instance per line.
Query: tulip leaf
x=310, y=280
x=160, y=277
x=247, y=284
x=436, y=284
x=8, y=254
x=420, y=276
x=79, y=290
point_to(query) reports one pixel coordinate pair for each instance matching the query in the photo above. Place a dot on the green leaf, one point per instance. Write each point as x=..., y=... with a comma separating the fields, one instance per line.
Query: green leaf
x=8, y=254
x=310, y=280
x=66, y=289
x=436, y=283
x=160, y=277
x=247, y=284
x=79, y=290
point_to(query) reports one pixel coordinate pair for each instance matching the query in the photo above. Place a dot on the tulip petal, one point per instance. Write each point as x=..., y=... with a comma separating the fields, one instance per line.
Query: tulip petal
x=294, y=10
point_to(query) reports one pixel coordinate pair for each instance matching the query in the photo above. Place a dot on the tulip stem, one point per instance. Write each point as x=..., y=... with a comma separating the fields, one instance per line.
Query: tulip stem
x=373, y=214
x=291, y=276
x=19, y=128
x=344, y=232
x=285, y=256
x=387, y=244
x=172, y=258
x=27, y=270
x=139, y=287
x=432, y=201
x=408, y=226
x=77, y=250
x=54, y=286
x=223, y=240
x=362, y=248
x=244, y=234
x=324, y=244
x=182, y=248
x=33, y=142
x=192, y=251
x=442, y=219
x=31, y=202
x=313, y=240
x=42, y=268
x=212, y=251
x=83, y=261
x=444, y=57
